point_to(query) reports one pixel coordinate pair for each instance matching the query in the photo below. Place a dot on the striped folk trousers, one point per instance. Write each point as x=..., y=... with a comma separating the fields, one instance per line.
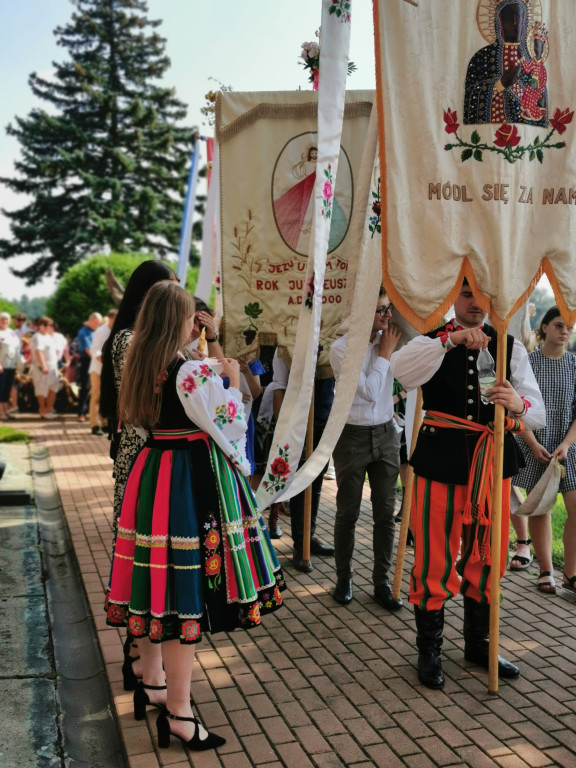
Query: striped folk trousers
x=443, y=561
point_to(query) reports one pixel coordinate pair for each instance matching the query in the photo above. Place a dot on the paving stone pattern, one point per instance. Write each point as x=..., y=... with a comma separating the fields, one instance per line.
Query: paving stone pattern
x=324, y=685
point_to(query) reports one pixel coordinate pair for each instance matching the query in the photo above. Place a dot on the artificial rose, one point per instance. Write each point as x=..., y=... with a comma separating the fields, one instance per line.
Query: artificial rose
x=279, y=466
x=451, y=120
x=327, y=191
x=205, y=370
x=377, y=208
x=231, y=409
x=561, y=119
x=507, y=136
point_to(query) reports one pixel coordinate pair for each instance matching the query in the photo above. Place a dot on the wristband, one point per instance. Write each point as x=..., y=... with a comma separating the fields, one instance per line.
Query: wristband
x=213, y=339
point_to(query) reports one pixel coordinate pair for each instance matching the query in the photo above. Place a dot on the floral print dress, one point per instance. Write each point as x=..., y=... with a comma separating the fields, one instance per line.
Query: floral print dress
x=192, y=554
x=130, y=440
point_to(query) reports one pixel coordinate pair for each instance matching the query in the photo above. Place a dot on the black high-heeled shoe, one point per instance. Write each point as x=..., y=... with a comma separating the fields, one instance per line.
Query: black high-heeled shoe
x=195, y=744
x=142, y=700
x=129, y=676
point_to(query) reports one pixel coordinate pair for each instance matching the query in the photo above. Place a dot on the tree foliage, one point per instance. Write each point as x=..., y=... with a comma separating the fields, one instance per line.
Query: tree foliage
x=8, y=306
x=83, y=289
x=106, y=163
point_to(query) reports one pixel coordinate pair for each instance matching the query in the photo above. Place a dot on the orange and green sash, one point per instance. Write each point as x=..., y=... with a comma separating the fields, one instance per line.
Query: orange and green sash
x=478, y=507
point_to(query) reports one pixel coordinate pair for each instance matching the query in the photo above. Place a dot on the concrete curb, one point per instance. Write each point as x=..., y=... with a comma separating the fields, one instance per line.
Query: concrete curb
x=90, y=733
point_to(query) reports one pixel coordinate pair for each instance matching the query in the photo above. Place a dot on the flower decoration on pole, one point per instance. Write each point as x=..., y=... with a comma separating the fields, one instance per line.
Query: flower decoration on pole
x=507, y=139
x=310, y=55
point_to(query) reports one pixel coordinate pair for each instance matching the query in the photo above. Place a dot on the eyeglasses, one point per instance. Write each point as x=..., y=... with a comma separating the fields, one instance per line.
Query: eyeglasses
x=385, y=309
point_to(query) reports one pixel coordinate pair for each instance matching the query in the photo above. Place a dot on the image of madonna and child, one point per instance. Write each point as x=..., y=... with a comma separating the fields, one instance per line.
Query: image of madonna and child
x=191, y=555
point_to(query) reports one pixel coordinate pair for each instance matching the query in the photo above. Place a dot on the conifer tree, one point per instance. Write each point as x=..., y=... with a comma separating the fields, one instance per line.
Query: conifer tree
x=106, y=164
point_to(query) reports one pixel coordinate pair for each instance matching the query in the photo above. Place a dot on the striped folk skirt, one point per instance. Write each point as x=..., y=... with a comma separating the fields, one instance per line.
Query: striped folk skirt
x=191, y=554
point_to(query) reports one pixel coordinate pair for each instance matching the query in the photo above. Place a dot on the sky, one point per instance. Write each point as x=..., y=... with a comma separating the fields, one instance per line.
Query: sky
x=250, y=46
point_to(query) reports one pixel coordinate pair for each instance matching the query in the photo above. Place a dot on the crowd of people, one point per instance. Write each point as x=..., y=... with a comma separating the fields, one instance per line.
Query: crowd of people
x=180, y=416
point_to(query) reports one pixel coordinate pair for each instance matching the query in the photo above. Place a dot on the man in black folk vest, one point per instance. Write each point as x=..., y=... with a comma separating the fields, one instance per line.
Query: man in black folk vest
x=451, y=518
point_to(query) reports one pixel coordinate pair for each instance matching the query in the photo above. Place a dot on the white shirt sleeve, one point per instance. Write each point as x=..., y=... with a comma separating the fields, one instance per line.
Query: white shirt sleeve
x=524, y=382
x=417, y=362
x=280, y=373
x=215, y=410
x=373, y=382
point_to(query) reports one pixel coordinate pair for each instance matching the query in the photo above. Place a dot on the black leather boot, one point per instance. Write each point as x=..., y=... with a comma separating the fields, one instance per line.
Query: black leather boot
x=429, y=627
x=477, y=638
x=273, y=527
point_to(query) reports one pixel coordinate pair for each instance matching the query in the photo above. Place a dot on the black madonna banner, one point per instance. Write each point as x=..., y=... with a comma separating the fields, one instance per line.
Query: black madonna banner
x=477, y=151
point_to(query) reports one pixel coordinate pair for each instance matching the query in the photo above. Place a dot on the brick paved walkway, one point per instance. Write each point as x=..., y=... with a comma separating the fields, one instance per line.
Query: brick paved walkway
x=324, y=685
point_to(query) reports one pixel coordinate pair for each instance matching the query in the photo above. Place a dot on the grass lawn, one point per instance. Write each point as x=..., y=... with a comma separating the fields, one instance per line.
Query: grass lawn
x=9, y=435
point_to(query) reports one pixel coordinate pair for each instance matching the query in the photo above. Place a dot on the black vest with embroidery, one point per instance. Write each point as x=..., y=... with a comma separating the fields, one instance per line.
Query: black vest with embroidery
x=443, y=454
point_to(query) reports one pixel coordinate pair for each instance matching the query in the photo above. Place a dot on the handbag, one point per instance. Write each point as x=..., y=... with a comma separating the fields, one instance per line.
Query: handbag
x=542, y=497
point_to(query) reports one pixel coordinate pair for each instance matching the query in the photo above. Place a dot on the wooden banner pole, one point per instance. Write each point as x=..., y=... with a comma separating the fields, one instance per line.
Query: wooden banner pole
x=307, y=525
x=406, y=503
x=496, y=533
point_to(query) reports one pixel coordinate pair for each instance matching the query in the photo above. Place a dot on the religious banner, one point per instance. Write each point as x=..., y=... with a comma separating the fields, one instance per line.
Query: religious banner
x=478, y=152
x=268, y=145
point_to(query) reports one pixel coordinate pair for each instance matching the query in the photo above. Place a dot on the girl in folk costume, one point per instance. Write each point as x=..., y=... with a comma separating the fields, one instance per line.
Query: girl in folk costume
x=191, y=554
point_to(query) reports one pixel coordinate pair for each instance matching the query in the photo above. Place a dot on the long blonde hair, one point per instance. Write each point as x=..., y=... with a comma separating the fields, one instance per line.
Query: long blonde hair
x=158, y=335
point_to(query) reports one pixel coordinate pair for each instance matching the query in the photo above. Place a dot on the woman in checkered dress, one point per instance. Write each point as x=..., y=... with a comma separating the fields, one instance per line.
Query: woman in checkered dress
x=555, y=371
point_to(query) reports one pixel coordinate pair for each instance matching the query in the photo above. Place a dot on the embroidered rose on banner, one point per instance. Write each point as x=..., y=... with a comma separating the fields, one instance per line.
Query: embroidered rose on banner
x=327, y=192
x=451, y=120
x=562, y=117
x=279, y=471
x=507, y=136
x=375, y=220
x=507, y=140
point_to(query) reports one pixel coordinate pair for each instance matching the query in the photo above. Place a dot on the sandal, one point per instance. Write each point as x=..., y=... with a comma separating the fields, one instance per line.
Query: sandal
x=547, y=587
x=569, y=583
x=518, y=562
